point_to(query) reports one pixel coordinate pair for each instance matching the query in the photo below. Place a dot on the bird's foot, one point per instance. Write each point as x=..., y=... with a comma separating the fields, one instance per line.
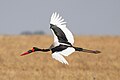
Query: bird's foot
x=96, y=52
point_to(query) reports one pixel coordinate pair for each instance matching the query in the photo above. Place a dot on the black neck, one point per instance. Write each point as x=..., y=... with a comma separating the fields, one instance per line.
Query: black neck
x=38, y=49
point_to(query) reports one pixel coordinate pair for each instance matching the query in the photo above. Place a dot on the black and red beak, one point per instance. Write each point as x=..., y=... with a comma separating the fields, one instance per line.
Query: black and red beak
x=28, y=52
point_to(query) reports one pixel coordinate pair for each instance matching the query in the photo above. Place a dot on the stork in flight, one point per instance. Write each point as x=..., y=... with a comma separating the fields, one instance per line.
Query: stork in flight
x=63, y=41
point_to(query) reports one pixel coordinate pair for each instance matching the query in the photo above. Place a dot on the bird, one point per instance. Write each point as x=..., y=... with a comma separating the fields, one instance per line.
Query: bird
x=63, y=41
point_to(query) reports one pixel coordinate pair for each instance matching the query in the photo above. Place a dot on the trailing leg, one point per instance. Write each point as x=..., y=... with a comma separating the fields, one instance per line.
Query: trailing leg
x=86, y=50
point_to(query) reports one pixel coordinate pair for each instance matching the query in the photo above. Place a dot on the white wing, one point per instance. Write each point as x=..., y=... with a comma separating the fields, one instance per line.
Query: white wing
x=67, y=51
x=68, y=34
x=56, y=42
x=57, y=20
x=59, y=57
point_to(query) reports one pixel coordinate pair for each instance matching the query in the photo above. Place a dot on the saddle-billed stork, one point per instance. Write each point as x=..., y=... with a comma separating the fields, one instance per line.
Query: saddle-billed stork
x=63, y=41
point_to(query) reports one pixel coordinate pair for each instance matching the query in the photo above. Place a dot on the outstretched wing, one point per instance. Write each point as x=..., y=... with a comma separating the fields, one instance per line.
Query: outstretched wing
x=67, y=51
x=59, y=29
x=59, y=57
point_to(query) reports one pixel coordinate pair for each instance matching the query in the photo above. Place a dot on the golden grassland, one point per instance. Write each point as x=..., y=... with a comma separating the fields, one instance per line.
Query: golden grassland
x=41, y=66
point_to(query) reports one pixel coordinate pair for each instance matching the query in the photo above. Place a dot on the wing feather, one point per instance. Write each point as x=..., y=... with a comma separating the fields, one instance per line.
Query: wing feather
x=57, y=20
x=59, y=57
x=52, y=16
x=67, y=51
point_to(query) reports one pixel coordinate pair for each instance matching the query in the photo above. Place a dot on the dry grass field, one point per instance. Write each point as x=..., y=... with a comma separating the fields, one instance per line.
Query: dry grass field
x=41, y=66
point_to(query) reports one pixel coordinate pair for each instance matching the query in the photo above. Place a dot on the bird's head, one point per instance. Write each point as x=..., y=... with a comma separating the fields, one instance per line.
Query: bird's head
x=30, y=51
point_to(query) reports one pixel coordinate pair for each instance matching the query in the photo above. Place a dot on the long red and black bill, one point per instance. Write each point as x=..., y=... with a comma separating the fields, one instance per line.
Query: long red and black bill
x=28, y=52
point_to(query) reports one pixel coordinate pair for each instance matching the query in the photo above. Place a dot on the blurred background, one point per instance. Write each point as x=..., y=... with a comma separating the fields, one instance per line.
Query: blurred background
x=83, y=17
